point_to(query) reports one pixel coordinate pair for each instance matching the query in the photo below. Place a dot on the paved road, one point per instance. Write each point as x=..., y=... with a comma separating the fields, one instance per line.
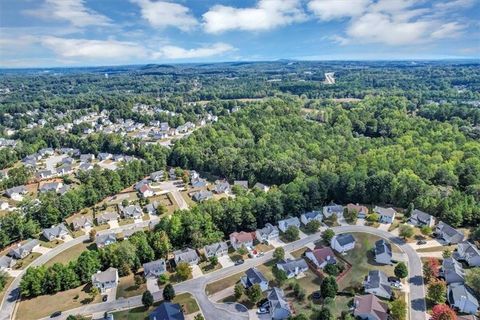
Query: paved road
x=215, y=311
x=13, y=291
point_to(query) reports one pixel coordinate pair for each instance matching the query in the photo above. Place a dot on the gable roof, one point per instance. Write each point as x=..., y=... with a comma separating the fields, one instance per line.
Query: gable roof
x=467, y=250
x=254, y=276
x=421, y=216
x=344, y=239
x=186, y=255
x=382, y=246
x=370, y=304
x=55, y=231
x=323, y=254
x=215, y=247
x=312, y=215
x=290, y=266
x=449, y=231
x=387, y=212
x=277, y=300
x=151, y=268
x=268, y=230
x=459, y=291
x=108, y=216
x=242, y=236
x=26, y=247
x=80, y=222
x=104, y=238
x=109, y=275
x=451, y=268
x=167, y=311
x=288, y=222
x=377, y=279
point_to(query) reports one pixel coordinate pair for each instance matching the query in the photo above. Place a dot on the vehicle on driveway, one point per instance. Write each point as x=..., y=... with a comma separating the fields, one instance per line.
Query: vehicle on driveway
x=104, y=298
x=239, y=262
x=420, y=242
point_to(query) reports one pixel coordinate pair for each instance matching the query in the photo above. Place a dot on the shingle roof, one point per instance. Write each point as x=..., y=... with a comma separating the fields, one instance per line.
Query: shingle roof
x=388, y=212
x=382, y=246
x=377, y=279
x=108, y=275
x=216, y=247
x=151, y=268
x=344, y=239
x=167, y=311
x=254, y=276
x=457, y=291
x=277, y=300
x=370, y=304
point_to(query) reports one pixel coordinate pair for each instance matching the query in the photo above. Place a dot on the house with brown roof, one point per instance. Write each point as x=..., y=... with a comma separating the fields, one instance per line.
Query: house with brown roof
x=370, y=307
x=320, y=257
x=361, y=211
x=242, y=238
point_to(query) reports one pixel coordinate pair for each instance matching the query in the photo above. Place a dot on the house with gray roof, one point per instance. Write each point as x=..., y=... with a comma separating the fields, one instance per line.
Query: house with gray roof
x=157, y=176
x=85, y=166
x=151, y=208
x=383, y=252
x=87, y=157
x=57, y=187
x=284, y=224
x=448, y=234
x=261, y=187
x=452, y=271
x=59, y=231
x=267, y=233
x=131, y=211
x=311, y=216
x=254, y=276
x=370, y=307
x=104, y=156
x=167, y=311
x=21, y=251
x=343, y=242
x=187, y=255
x=155, y=268
x=202, y=195
x=198, y=182
x=16, y=193
x=468, y=252
x=421, y=219
x=105, y=239
x=241, y=183
x=222, y=186
x=292, y=267
x=461, y=298
x=376, y=282
x=6, y=263
x=332, y=209
x=107, y=217
x=387, y=215
x=278, y=306
x=82, y=223
x=217, y=249
x=45, y=174
x=105, y=280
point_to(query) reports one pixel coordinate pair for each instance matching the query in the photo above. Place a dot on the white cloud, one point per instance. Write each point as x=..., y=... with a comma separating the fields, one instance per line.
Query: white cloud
x=167, y=14
x=334, y=9
x=448, y=30
x=174, y=52
x=266, y=15
x=73, y=11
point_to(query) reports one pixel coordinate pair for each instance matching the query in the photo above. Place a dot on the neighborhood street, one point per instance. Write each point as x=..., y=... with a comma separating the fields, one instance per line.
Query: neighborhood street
x=212, y=310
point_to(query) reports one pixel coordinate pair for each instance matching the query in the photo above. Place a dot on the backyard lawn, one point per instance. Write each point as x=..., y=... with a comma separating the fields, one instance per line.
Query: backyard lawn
x=23, y=263
x=127, y=288
x=71, y=254
x=50, y=244
x=44, y=306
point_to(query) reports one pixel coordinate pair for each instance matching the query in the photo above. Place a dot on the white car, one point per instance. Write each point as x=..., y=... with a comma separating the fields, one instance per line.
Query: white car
x=262, y=311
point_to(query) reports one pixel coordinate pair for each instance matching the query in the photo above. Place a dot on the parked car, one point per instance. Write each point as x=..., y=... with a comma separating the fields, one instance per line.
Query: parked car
x=262, y=311
x=316, y=295
x=104, y=298
x=56, y=314
x=239, y=262
x=420, y=242
x=394, y=279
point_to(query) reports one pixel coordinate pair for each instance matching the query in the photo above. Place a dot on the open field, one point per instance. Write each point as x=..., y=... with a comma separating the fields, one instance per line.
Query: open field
x=71, y=254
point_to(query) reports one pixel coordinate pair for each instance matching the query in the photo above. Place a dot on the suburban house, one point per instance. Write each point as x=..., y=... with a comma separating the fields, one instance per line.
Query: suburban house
x=278, y=306
x=187, y=255
x=198, y=182
x=376, y=282
x=151, y=208
x=469, y=253
x=421, y=219
x=222, y=186
x=104, y=240
x=370, y=307
x=387, y=215
x=216, y=249
x=155, y=268
x=82, y=223
x=361, y=211
x=21, y=251
x=292, y=267
x=343, y=242
x=461, y=298
x=107, y=217
x=452, y=271
x=254, y=276
x=167, y=311
x=157, y=176
x=16, y=193
x=59, y=231
x=321, y=257
x=202, y=195
x=241, y=183
x=146, y=191
x=284, y=224
x=51, y=186
x=104, y=156
x=383, y=252
x=261, y=187
x=242, y=238
x=105, y=280
x=87, y=157
x=310, y=216
x=448, y=234
x=6, y=263
x=332, y=209
x=267, y=233
x=131, y=211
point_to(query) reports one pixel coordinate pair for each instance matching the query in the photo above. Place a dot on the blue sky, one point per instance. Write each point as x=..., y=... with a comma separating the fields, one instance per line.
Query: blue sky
x=42, y=33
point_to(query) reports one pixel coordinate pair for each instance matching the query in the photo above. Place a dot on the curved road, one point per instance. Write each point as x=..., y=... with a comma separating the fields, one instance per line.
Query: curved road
x=213, y=310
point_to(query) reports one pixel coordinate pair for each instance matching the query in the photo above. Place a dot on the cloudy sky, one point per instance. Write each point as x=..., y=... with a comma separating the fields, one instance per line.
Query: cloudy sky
x=40, y=33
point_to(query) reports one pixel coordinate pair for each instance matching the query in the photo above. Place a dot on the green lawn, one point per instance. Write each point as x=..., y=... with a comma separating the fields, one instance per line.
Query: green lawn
x=23, y=263
x=50, y=244
x=221, y=284
x=207, y=267
x=298, y=253
x=127, y=288
x=71, y=254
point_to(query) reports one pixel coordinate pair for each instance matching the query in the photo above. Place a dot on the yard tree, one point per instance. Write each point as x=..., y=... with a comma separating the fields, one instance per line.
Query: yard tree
x=238, y=291
x=329, y=287
x=168, y=292
x=431, y=269
x=409, y=210
x=199, y=316
x=254, y=293
x=398, y=309
x=426, y=230
x=213, y=260
x=144, y=252
x=161, y=209
x=279, y=253
x=401, y=270
x=472, y=279
x=94, y=292
x=292, y=233
x=147, y=299
x=405, y=231
x=331, y=269
x=184, y=270
x=350, y=215
x=92, y=235
x=160, y=243
x=373, y=217
x=3, y=279
x=300, y=316
x=138, y=279
x=437, y=291
x=446, y=253
x=31, y=284
x=323, y=314
x=125, y=202
x=280, y=276
x=162, y=279
x=327, y=235
x=313, y=226
x=443, y=312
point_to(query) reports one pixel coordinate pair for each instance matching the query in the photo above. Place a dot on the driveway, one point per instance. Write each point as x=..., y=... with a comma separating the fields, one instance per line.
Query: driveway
x=225, y=261
x=430, y=244
x=301, y=234
x=384, y=226
x=67, y=238
x=276, y=243
x=152, y=285
x=113, y=224
x=196, y=271
x=111, y=294
x=41, y=250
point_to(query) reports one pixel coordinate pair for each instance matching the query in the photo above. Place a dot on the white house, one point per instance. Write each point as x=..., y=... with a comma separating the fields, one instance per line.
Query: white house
x=292, y=267
x=387, y=215
x=383, y=252
x=105, y=280
x=267, y=233
x=311, y=216
x=239, y=239
x=343, y=242
x=284, y=224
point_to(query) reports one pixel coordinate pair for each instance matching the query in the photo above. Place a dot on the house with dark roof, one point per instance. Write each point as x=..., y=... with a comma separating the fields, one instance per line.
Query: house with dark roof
x=202, y=195
x=21, y=251
x=167, y=311
x=241, y=183
x=217, y=249
x=376, y=282
x=305, y=218
x=59, y=231
x=131, y=211
x=421, y=219
x=461, y=298
x=343, y=242
x=332, y=209
x=448, y=234
x=383, y=252
x=254, y=276
x=320, y=257
x=387, y=215
x=16, y=193
x=284, y=224
x=452, y=271
x=187, y=255
x=157, y=176
x=278, y=306
x=6, y=263
x=242, y=238
x=222, y=186
x=105, y=280
x=468, y=252
x=292, y=267
x=155, y=268
x=104, y=240
x=370, y=307
x=267, y=233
